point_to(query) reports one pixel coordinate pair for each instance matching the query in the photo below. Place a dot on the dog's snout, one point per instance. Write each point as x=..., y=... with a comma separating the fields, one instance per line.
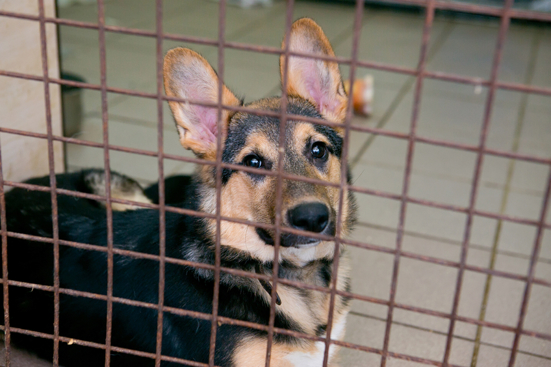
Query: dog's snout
x=313, y=217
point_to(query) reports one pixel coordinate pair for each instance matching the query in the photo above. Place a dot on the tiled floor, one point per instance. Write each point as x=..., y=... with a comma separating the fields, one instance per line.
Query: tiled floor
x=462, y=45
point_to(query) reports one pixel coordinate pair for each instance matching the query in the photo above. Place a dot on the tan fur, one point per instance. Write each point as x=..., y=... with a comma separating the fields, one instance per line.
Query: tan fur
x=136, y=196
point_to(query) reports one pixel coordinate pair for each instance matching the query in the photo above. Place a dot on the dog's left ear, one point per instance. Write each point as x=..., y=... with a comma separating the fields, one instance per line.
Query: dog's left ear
x=316, y=80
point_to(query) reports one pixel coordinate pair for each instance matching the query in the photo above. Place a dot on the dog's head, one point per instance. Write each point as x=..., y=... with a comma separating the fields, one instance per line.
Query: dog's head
x=314, y=89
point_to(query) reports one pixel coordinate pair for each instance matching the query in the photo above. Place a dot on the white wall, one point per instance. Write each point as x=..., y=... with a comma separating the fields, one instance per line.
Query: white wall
x=22, y=103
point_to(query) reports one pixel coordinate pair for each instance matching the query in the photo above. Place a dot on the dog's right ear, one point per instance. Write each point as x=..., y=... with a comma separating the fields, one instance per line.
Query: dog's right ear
x=188, y=75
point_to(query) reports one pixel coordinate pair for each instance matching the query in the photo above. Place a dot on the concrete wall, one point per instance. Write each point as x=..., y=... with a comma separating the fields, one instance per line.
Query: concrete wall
x=22, y=104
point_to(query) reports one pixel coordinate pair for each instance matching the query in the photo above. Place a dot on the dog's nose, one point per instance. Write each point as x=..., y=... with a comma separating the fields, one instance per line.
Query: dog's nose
x=313, y=217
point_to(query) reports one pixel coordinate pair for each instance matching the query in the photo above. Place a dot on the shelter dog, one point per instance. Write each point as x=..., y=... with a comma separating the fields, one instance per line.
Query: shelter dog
x=315, y=89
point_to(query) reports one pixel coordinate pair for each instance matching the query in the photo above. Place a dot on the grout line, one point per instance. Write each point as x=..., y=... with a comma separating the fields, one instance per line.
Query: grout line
x=437, y=332
x=518, y=130
x=438, y=43
x=449, y=241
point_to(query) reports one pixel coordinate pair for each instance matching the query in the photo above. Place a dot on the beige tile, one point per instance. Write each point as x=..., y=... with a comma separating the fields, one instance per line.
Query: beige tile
x=538, y=317
x=366, y=331
x=541, y=72
x=437, y=222
x=378, y=177
x=371, y=275
x=524, y=360
x=524, y=205
x=351, y=357
x=403, y=31
x=517, y=238
x=491, y=356
x=539, y=347
x=378, y=210
x=425, y=285
x=468, y=41
x=417, y=343
x=530, y=176
x=387, y=151
x=517, y=53
x=536, y=134
x=504, y=301
x=546, y=244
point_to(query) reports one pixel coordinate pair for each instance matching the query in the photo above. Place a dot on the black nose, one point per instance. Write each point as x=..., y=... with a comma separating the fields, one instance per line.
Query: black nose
x=313, y=217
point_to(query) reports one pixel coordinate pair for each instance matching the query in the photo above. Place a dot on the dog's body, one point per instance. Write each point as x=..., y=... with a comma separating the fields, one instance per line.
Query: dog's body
x=315, y=90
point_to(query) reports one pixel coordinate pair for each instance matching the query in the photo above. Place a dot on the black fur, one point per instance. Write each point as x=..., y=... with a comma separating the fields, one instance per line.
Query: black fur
x=82, y=318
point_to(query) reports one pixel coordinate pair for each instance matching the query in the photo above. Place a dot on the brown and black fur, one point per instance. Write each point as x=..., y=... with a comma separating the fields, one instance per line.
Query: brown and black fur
x=314, y=90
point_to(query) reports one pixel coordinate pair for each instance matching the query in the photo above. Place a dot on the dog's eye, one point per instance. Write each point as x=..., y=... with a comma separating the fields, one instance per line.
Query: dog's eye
x=319, y=150
x=253, y=161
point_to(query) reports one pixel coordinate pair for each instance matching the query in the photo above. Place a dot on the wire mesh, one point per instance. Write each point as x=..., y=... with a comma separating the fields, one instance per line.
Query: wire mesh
x=505, y=14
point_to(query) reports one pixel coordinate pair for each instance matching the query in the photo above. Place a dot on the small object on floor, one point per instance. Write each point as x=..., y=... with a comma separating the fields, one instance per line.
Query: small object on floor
x=362, y=98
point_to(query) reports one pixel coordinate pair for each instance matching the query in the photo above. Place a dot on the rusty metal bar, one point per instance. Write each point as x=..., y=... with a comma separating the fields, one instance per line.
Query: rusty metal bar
x=437, y=75
x=429, y=18
x=51, y=168
x=279, y=183
x=343, y=189
x=218, y=179
x=107, y=180
x=205, y=316
x=531, y=272
x=504, y=25
x=160, y=162
x=5, y=287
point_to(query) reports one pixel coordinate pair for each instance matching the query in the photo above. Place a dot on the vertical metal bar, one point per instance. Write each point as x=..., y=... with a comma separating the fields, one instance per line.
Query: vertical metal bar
x=409, y=161
x=343, y=189
x=531, y=271
x=504, y=25
x=279, y=181
x=51, y=167
x=160, y=159
x=506, y=191
x=219, y=150
x=5, y=286
x=107, y=172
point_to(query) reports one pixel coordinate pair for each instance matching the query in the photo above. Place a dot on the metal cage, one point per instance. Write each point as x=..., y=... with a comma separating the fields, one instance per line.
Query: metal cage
x=506, y=13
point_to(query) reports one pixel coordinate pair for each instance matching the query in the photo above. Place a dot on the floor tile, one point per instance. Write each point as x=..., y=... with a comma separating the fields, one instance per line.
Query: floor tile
x=536, y=346
x=524, y=360
x=378, y=31
x=416, y=342
x=458, y=51
x=426, y=285
x=543, y=58
x=350, y=357
x=367, y=331
x=371, y=274
x=437, y=222
x=504, y=301
x=536, y=134
x=377, y=177
x=538, y=317
x=517, y=238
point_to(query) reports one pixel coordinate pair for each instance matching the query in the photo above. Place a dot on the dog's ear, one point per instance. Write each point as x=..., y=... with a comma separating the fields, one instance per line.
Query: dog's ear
x=316, y=80
x=188, y=75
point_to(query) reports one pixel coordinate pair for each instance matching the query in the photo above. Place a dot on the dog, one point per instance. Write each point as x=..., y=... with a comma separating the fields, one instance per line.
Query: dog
x=315, y=90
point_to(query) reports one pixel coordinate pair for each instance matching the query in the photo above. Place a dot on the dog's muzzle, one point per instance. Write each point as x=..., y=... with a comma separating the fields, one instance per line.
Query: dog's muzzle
x=311, y=217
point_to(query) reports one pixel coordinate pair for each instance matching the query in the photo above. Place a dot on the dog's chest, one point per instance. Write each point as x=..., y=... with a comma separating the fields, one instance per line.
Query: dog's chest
x=314, y=358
